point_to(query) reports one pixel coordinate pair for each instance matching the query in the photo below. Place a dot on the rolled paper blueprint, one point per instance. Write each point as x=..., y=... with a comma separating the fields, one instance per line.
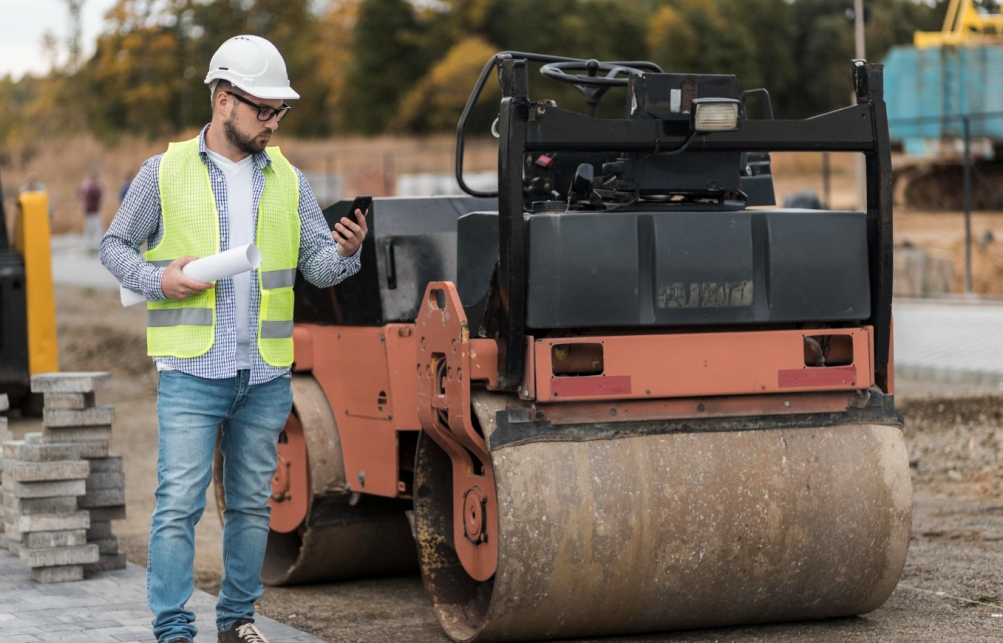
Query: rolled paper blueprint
x=209, y=269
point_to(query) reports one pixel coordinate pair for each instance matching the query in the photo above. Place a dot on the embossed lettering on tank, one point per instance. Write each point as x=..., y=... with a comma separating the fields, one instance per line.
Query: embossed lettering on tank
x=708, y=294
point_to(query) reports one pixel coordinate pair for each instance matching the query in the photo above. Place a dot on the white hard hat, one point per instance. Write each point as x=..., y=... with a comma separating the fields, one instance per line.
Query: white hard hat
x=254, y=65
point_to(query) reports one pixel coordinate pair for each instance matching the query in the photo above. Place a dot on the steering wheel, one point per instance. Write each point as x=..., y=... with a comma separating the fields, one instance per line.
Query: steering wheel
x=592, y=86
x=559, y=71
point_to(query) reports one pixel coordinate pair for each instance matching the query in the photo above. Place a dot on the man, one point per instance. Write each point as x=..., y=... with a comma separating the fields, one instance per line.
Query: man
x=90, y=193
x=223, y=350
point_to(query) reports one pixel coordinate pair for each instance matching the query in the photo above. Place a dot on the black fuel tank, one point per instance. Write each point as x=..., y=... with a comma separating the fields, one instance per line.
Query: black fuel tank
x=590, y=269
x=679, y=268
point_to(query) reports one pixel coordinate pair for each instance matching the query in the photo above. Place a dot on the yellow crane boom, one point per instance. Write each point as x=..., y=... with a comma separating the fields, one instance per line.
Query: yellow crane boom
x=966, y=23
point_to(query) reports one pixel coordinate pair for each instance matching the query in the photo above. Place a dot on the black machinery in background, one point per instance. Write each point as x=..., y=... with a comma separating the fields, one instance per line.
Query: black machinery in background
x=14, y=374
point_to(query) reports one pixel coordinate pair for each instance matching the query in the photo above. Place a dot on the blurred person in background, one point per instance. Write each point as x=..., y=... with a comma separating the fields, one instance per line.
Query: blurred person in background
x=126, y=182
x=223, y=350
x=32, y=184
x=90, y=193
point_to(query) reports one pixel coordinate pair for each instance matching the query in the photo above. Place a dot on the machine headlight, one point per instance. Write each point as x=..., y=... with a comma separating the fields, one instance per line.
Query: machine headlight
x=714, y=114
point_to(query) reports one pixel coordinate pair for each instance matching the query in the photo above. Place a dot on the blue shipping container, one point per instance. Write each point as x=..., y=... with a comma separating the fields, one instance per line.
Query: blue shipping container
x=941, y=81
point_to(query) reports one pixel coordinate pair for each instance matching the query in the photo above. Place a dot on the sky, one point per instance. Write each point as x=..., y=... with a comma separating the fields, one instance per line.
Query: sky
x=25, y=21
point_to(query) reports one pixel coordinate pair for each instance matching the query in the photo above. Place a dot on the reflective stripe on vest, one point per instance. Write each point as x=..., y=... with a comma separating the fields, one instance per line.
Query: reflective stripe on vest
x=276, y=329
x=179, y=317
x=191, y=227
x=278, y=278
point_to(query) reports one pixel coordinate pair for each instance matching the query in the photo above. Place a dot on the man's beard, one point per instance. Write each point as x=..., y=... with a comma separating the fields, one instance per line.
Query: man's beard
x=246, y=144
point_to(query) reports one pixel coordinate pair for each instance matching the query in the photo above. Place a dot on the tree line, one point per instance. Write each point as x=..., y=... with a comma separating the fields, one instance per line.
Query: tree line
x=407, y=66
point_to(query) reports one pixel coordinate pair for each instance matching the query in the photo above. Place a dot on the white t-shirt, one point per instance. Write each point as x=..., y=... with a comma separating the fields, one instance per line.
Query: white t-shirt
x=239, y=207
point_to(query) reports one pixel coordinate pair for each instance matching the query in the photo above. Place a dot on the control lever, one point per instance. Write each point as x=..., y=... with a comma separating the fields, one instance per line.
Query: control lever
x=581, y=186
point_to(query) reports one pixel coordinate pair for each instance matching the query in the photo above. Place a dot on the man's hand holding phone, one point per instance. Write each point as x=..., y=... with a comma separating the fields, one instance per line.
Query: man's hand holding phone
x=350, y=232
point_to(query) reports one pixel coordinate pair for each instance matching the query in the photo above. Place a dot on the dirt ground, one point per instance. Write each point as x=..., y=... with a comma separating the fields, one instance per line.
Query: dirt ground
x=951, y=589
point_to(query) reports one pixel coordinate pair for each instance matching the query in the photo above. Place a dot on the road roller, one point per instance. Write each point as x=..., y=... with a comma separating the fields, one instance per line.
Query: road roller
x=624, y=392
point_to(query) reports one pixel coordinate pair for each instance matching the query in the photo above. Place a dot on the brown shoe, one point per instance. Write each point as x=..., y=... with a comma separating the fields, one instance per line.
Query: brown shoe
x=242, y=631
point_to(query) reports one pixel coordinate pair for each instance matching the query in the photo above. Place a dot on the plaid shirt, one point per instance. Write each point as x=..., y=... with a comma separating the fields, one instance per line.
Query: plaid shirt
x=140, y=220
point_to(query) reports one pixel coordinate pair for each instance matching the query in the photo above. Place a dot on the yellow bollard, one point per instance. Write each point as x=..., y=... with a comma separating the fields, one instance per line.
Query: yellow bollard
x=32, y=240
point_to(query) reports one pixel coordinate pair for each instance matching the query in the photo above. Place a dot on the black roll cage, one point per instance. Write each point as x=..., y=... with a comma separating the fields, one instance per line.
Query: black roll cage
x=525, y=126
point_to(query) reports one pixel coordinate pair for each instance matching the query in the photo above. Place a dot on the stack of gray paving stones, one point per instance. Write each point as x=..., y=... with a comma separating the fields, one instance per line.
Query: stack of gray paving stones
x=5, y=435
x=61, y=487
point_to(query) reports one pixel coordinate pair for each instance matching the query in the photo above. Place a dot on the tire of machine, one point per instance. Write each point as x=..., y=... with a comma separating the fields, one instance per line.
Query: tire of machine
x=674, y=531
x=362, y=546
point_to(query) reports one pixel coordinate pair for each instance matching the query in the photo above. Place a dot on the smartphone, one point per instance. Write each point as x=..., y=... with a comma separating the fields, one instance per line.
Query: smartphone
x=361, y=202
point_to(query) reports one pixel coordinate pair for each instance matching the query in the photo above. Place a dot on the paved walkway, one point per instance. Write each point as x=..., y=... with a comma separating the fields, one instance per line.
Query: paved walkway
x=952, y=341
x=109, y=608
x=72, y=265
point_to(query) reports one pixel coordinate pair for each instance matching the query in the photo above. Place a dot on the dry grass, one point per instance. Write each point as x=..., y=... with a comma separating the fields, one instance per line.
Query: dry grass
x=367, y=166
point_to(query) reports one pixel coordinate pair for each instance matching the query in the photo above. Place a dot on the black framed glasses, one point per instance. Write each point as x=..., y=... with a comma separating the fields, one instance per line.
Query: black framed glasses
x=265, y=113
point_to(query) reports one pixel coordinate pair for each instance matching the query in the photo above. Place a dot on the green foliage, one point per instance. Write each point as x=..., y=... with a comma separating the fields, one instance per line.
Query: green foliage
x=709, y=40
x=436, y=100
x=133, y=78
x=390, y=55
x=370, y=66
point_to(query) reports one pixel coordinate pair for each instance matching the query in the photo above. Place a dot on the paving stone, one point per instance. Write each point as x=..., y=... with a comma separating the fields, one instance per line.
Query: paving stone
x=53, y=522
x=69, y=400
x=40, y=452
x=53, y=434
x=91, y=448
x=107, y=607
x=102, y=498
x=32, y=506
x=105, y=480
x=104, y=514
x=45, y=489
x=11, y=449
x=5, y=437
x=93, y=416
x=84, y=382
x=107, y=563
x=105, y=465
x=106, y=546
x=99, y=529
x=48, y=539
x=61, y=574
x=57, y=556
x=20, y=471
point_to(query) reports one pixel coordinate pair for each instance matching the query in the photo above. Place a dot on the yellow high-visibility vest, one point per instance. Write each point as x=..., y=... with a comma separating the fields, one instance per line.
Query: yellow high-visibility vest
x=191, y=228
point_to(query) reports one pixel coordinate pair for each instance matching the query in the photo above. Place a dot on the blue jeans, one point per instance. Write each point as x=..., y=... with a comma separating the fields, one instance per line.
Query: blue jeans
x=189, y=410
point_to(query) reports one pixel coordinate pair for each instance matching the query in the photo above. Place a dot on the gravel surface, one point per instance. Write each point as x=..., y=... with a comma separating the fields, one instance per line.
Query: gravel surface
x=952, y=589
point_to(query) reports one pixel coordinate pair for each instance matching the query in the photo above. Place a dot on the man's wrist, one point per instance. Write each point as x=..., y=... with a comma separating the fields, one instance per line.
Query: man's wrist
x=154, y=286
x=344, y=256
